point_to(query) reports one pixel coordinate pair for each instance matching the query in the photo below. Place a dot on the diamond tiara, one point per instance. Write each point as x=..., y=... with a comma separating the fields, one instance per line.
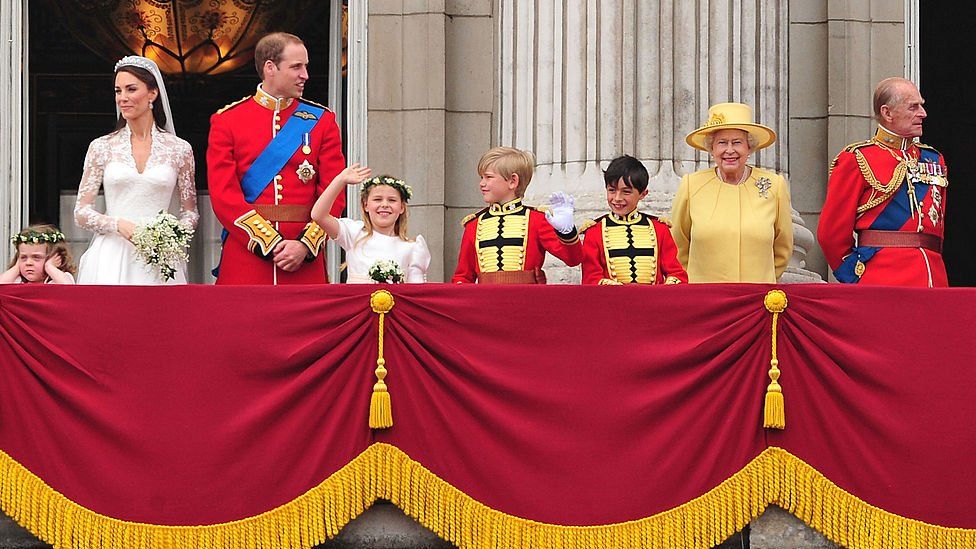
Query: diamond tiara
x=136, y=61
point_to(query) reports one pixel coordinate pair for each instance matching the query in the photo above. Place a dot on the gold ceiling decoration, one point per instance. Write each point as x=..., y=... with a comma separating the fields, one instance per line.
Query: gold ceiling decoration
x=185, y=37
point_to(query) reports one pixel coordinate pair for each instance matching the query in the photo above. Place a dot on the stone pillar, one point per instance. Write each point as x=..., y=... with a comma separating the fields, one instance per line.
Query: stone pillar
x=582, y=82
x=13, y=120
x=838, y=52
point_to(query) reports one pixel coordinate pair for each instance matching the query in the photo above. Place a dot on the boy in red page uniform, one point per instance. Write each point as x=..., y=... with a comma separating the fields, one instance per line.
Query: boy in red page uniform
x=506, y=243
x=626, y=246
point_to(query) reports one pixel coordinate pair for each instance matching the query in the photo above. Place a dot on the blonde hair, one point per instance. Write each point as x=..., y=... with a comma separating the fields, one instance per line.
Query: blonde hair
x=399, y=227
x=506, y=161
x=59, y=247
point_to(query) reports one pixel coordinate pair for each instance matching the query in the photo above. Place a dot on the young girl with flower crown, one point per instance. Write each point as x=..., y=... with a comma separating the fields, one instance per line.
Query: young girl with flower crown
x=41, y=256
x=377, y=248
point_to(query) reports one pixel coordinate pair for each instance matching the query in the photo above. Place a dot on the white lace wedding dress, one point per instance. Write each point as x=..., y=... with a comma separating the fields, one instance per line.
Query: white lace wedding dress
x=135, y=196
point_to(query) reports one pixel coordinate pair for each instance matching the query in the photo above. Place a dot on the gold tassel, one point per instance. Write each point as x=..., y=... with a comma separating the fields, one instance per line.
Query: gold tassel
x=380, y=407
x=774, y=410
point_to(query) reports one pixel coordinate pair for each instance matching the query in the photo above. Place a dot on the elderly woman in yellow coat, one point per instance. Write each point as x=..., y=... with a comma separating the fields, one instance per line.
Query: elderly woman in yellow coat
x=732, y=222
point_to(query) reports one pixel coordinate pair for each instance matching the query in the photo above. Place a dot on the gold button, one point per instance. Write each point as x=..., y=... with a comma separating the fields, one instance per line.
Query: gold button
x=277, y=126
x=279, y=187
x=277, y=177
x=277, y=118
x=280, y=197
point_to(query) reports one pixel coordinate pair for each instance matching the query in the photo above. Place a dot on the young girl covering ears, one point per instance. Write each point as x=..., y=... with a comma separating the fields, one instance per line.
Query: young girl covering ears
x=41, y=257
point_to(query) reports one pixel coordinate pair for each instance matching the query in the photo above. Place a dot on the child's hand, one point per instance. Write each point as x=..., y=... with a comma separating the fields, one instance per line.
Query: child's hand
x=354, y=174
x=560, y=213
x=54, y=261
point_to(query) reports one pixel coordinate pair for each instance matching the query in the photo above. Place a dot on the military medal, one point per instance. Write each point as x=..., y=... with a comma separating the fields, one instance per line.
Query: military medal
x=305, y=171
x=306, y=149
x=859, y=268
x=763, y=184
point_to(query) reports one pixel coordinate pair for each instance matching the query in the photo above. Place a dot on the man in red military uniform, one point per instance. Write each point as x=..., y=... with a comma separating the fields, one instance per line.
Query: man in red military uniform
x=506, y=243
x=884, y=216
x=626, y=246
x=269, y=156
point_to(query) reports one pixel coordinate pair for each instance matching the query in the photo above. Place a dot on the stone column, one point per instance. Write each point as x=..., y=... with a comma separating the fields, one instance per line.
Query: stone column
x=13, y=120
x=584, y=81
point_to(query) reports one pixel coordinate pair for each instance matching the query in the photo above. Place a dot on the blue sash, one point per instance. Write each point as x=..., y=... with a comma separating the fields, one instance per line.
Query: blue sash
x=279, y=150
x=894, y=216
x=274, y=157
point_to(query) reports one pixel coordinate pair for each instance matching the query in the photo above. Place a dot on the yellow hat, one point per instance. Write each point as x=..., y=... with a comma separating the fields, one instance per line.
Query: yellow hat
x=731, y=116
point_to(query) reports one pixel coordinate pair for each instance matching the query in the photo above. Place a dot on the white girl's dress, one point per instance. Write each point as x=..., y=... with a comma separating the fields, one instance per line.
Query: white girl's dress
x=361, y=252
x=138, y=197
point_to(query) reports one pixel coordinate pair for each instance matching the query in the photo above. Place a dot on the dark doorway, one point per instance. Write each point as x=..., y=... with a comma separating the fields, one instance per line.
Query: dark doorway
x=71, y=103
x=944, y=54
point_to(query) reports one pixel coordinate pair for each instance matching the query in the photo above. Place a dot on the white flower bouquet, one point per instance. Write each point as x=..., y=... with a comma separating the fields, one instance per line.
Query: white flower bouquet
x=385, y=270
x=163, y=243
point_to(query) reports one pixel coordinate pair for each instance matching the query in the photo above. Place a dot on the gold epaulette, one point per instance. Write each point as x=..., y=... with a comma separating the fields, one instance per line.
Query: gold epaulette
x=590, y=223
x=929, y=147
x=471, y=217
x=857, y=145
x=235, y=103
x=853, y=147
x=310, y=102
x=663, y=219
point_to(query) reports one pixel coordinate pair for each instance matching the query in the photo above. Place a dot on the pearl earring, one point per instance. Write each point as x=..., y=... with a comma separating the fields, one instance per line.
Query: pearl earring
x=150, y=105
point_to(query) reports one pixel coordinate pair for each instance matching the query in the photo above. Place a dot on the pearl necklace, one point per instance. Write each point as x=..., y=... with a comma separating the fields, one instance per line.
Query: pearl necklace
x=745, y=175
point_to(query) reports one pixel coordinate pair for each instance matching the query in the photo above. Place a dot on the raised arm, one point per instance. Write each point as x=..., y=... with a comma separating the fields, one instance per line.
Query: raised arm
x=322, y=210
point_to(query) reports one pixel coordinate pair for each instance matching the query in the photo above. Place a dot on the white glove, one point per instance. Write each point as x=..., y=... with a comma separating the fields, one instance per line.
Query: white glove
x=560, y=212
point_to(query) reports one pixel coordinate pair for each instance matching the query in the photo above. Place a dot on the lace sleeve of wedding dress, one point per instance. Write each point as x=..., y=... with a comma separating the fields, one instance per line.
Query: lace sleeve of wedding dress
x=187, y=187
x=91, y=181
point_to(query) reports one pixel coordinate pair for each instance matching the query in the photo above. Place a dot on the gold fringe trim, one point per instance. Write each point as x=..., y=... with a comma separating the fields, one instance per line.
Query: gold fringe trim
x=384, y=471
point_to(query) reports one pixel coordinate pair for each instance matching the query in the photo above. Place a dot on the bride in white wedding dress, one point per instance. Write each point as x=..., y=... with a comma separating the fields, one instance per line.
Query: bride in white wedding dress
x=140, y=164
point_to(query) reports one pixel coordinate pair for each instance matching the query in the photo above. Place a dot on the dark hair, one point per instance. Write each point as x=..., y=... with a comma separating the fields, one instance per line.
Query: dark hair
x=628, y=168
x=159, y=116
x=270, y=48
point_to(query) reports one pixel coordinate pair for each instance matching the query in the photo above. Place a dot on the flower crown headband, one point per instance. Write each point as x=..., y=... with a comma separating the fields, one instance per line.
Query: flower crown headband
x=400, y=185
x=36, y=237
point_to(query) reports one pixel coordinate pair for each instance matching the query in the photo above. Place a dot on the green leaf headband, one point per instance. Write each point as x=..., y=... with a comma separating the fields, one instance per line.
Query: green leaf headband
x=35, y=237
x=405, y=191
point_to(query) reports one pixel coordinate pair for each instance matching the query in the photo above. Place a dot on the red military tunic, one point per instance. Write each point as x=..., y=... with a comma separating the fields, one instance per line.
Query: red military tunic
x=511, y=237
x=896, y=190
x=635, y=249
x=238, y=134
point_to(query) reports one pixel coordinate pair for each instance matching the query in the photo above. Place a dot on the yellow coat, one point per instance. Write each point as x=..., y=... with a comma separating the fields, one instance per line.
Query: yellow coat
x=732, y=233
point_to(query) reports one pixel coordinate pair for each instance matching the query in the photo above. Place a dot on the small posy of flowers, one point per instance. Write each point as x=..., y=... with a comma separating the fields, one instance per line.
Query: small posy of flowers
x=163, y=243
x=386, y=271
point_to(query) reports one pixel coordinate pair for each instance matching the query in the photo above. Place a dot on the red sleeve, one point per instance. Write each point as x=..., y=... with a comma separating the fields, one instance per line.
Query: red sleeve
x=594, y=262
x=467, y=267
x=330, y=161
x=667, y=258
x=568, y=248
x=226, y=195
x=835, y=231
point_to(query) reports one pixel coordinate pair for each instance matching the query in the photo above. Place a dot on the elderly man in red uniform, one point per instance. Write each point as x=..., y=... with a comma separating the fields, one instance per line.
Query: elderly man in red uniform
x=884, y=216
x=269, y=156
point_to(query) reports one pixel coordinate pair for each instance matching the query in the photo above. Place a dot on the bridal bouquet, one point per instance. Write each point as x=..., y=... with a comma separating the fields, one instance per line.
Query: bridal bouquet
x=163, y=243
x=385, y=270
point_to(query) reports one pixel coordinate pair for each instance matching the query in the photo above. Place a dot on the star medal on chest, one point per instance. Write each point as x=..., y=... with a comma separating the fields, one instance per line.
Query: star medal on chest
x=306, y=147
x=913, y=172
x=763, y=184
x=305, y=171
